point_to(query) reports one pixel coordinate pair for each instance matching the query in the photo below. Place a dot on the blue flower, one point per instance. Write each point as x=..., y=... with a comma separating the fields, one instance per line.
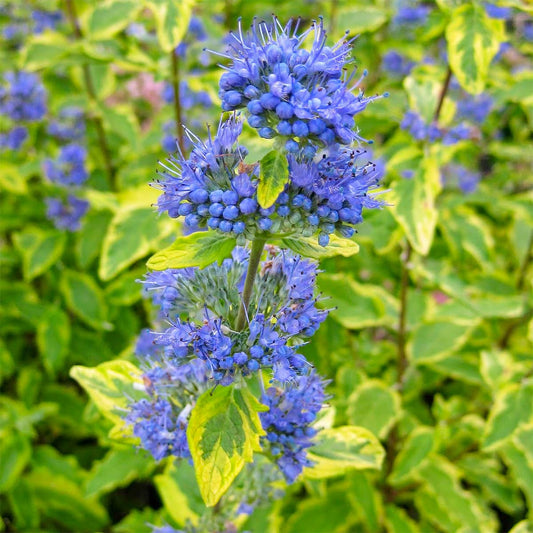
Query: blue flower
x=411, y=14
x=44, y=20
x=69, y=168
x=14, y=139
x=474, y=108
x=285, y=87
x=214, y=188
x=396, y=64
x=459, y=176
x=498, y=12
x=66, y=215
x=69, y=125
x=282, y=311
x=288, y=422
x=23, y=99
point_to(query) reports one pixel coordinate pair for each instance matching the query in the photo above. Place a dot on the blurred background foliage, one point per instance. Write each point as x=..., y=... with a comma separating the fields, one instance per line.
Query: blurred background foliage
x=431, y=344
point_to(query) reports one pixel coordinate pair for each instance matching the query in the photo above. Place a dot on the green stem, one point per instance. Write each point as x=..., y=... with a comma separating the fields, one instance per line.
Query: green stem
x=177, y=100
x=402, y=337
x=255, y=257
x=91, y=92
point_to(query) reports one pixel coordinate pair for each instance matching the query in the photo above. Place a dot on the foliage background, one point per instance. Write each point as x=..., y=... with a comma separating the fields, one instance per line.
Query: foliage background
x=431, y=345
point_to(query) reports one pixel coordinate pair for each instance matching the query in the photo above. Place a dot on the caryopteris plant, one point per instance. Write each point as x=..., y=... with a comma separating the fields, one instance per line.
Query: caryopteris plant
x=222, y=380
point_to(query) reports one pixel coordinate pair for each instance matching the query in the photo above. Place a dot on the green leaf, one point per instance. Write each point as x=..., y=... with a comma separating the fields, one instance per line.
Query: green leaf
x=521, y=470
x=125, y=289
x=179, y=491
x=15, y=451
x=473, y=40
x=44, y=50
x=172, y=20
x=53, y=338
x=197, y=249
x=374, y=406
x=111, y=386
x=512, y=407
x=461, y=507
x=122, y=121
x=12, y=180
x=132, y=234
x=39, y=249
x=273, y=175
x=361, y=19
x=330, y=512
x=84, y=298
x=398, y=521
x=434, y=340
x=413, y=203
x=117, y=469
x=339, y=450
x=23, y=505
x=366, y=501
x=223, y=433
x=309, y=247
x=61, y=500
x=414, y=450
x=358, y=305
x=90, y=237
x=111, y=16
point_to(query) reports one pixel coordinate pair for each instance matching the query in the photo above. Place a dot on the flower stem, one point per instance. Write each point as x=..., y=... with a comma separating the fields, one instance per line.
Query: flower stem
x=177, y=99
x=89, y=87
x=253, y=263
x=404, y=286
x=443, y=92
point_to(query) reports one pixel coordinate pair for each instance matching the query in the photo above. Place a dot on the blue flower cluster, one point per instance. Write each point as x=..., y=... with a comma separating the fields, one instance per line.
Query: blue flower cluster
x=301, y=96
x=68, y=171
x=396, y=64
x=214, y=188
x=284, y=312
x=69, y=168
x=69, y=126
x=22, y=100
x=420, y=130
x=288, y=422
x=474, y=108
x=23, y=22
x=411, y=13
x=66, y=214
x=459, y=176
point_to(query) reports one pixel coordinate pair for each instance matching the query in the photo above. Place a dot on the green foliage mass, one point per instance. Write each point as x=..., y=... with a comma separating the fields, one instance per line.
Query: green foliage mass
x=430, y=351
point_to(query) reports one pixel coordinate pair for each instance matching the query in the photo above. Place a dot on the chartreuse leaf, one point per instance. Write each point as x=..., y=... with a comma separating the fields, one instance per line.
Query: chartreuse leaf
x=273, y=175
x=358, y=305
x=413, y=204
x=375, y=406
x=513, y=406
x=415, y=449
x=90, y=236
x=44, y=50
x=112, y=386
x=197, y=249
x=180, y=493
x=84, y=298
x=53, y=337
x=361, y=19
x=118, y=468
x=339, y=450
x=223, y=433
x=309, y=247
x=39, y=249
x=122, y=121
x=171, y=19
x=15, y=451
x=111, y=16
x=473, y=40
x=132, y=234
x=23, y=505
x=433, y=341
x=523, y=526
x=459, y=507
